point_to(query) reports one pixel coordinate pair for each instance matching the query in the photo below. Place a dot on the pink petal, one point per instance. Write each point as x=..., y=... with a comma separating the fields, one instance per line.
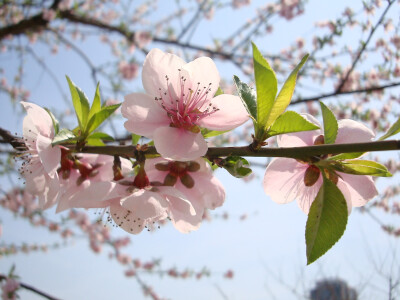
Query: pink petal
x=184, y=216
x=181, y=217
x=211, y=189
x=122, y=218
x=362, y=188
x=204, y=71
x=353, y=132
x=49, y=156
x=146, y=204
x=344, y=188
x=299, y=139
x=284, y=182
x=157, y=65
x=39, y=118
x=144, y=114
x=179, y=144
x=230, y=115
x=92, y=195
x=50, y=194
x=35, y=177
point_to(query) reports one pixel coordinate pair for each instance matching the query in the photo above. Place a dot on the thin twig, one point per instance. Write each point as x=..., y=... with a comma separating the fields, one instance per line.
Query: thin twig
x=364, y=46
x=32, y=289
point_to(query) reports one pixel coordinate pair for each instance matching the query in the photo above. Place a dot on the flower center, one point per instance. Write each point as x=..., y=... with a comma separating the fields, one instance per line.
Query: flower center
x=312, y=173
x=186, y=106
x=178, y=170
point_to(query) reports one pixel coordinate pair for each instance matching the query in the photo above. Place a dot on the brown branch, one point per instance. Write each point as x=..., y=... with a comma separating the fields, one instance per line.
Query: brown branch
x=333, y=94
x=33, y=24
x=31, y=288
x=214, y=152
x=293, y=152
x=16, y=142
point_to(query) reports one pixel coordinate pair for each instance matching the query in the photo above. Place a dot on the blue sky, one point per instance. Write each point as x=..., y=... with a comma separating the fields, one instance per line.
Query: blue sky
x=262, y=250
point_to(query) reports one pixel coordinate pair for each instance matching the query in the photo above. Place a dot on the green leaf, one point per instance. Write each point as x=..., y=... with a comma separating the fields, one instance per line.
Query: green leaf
x=290, y=121
x=266, y=86
x=135, y=139
x=81, y=104
x=64, y=136
x=330, y=124
x=100, y=117
x=94, y=142
x=207, y=133
x=394, y=129
x=211, y=164
x=237, y=166
x=96, y=105
x=219, y=92
x=101, y=135
x=326, y=221
x=285, y=94
x=363, y=167
x=344, y=156
x=56, y=125
x=248, y=97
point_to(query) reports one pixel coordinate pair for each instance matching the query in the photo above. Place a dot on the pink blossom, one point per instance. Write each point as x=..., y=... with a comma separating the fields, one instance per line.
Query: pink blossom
x=48, y=14
x=41, y=158
x=134, y=204
x=288, y=179
x=129, y=71
x=195, y=180
x=9, y=289
x=79, y=173
x=240, y=3
x=178, y=101
x=142, y=38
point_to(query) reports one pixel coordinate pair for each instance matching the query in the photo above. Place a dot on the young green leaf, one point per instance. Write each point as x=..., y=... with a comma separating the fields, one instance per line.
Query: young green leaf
x=330, y=124
x=248, y=97
x=363, y=167
x=237, y=166
x=81, y=104
x=100, y=117
x=285, y=94
x=219, y=92
x=266, y=86
x=64, y=136
x=207, y=133
x=94, y=142
x=394, y=129
x=96, y=105
x=135, y=139
x=101, y=135
x=344, y=156
x=326, y=221
x=56, y=125
x=290, y=121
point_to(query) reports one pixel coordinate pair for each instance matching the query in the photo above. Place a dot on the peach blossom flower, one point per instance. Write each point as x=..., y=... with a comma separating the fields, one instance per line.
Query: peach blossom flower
x=179, y=100
x=287, y=179
x=41, y=159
